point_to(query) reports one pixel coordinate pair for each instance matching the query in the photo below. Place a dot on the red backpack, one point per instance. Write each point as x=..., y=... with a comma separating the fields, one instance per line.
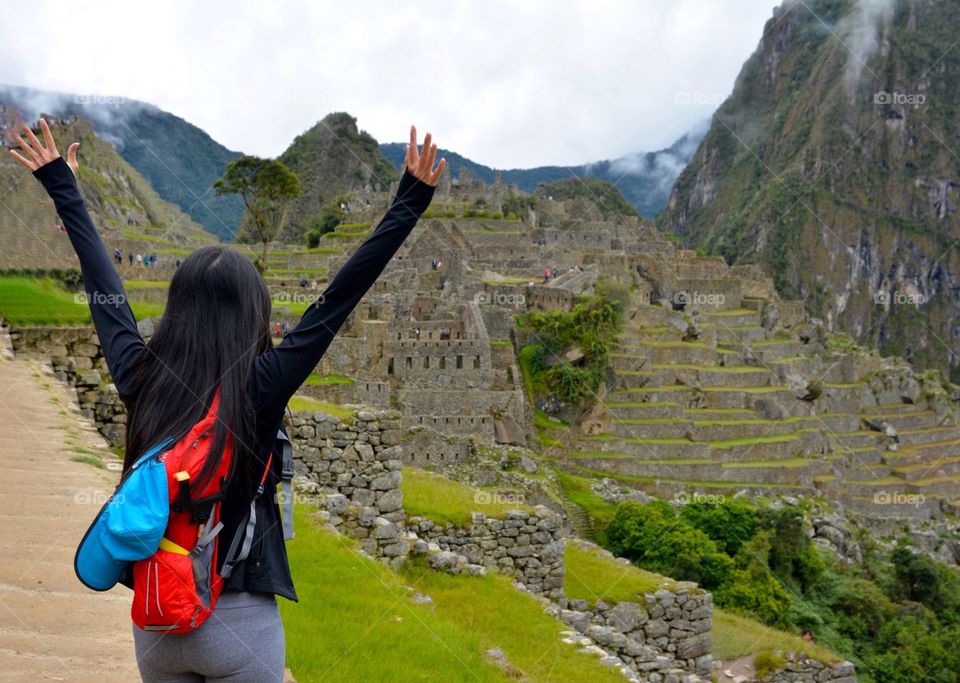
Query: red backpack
x=176, y=588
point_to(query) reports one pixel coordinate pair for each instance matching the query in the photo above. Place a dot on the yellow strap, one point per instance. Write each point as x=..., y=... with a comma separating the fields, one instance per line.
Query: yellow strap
x=170, y=546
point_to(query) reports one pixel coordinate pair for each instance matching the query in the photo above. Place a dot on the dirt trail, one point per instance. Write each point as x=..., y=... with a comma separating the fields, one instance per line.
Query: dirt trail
x=51, y=627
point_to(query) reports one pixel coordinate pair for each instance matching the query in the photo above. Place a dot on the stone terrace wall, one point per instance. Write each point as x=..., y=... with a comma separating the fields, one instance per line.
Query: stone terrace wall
x=669, y=632
x=356, y=465
x=801, y=669
x=525, y=545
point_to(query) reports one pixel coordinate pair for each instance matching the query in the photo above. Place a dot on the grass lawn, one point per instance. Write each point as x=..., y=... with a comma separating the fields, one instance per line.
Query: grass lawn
x=317, y=379
x=735, y=636
x=447, y=501
x=355, y=620
x=592, y=576
x=35, y=301
x=297, y=308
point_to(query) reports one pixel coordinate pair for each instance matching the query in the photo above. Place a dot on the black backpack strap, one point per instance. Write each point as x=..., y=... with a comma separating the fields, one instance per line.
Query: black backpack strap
x=243, y=537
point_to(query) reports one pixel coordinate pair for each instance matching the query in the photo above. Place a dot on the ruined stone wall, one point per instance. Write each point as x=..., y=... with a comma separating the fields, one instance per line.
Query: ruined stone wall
x=802, y=669
x=362, y=392
x=525, y=545
x=460, y=362
x=427, y=448
x=355, y=464
x=668, y=631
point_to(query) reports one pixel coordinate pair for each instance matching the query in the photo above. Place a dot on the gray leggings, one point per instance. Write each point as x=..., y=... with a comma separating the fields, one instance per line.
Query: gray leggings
x=241, y=641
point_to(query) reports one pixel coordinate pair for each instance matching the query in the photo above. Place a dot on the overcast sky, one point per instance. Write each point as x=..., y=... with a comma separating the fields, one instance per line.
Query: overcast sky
x=508, y=84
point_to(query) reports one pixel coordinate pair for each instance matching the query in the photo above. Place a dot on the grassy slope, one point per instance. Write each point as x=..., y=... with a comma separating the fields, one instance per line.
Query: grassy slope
x=444, y=500
x=594, y=576
x=29, y=301
x=356, y=621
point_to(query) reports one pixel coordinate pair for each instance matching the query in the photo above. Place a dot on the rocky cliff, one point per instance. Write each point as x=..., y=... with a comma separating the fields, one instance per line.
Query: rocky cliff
x=834, y=164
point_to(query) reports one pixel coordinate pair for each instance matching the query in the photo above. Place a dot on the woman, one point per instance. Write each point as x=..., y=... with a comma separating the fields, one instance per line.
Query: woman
x=215, y=333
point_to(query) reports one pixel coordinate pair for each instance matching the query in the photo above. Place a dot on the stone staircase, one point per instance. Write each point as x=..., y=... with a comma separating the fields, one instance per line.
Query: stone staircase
x=713, y=406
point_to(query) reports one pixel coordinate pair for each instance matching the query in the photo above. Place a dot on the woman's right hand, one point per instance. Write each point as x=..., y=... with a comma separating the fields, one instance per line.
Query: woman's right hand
x=37, y=154
x=420, y=164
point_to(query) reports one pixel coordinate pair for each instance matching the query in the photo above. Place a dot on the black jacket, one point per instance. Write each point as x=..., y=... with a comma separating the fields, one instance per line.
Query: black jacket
x=277, y=374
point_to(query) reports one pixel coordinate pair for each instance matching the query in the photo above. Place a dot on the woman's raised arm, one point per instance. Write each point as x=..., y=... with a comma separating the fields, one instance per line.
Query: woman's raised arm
x=112, y=316
x=279, y=372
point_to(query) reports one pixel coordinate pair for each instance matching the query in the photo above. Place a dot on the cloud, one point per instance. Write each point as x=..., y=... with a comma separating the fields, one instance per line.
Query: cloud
x=861, y=31
x=665, y=165
x=507, y=84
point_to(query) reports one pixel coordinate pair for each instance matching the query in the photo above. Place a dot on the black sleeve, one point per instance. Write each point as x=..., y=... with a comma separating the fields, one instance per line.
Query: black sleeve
x=117, y=328
x=279, y=372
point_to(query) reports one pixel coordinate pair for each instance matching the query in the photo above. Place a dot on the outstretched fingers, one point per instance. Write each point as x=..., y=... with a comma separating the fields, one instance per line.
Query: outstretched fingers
x=72, y=157
x=413, y=157
x=32, y=153
x=34, y=142
x=48, y=142
x=420, y=163
x=435, y=176
x=30, y=165
x=27, y=148
x=424, y=167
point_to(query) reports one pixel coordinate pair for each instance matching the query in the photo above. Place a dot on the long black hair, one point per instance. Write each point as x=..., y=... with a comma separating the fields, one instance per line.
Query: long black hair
x=217, y=320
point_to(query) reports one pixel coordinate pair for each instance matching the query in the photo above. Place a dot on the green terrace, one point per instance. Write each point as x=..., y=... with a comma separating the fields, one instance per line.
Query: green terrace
x=329, y=379
x=349, y=600
x=314, y=405
x=634, y=479
x=446, y=501
x=592, y=575
x=41, y=301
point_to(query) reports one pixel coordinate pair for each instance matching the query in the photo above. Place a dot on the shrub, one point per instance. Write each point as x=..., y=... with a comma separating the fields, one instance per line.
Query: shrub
x=729, y=523
x=766, y=662
x=649, y=535
x=754, y=591
x=792, y=556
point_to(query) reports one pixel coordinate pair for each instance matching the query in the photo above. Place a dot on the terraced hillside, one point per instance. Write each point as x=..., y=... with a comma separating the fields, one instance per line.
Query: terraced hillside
x=716, y=402
x=127, y=211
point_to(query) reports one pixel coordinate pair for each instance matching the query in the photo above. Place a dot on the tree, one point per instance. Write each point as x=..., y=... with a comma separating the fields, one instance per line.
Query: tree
x=266, y=187
x=325, y=220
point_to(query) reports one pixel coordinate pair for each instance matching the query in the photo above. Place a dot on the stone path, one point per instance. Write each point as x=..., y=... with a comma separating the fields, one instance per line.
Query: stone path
x=52, y=628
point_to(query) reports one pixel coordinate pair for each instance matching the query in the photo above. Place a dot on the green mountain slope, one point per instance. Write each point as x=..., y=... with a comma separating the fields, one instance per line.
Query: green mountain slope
x=332, y=157
x=178, y=159
x=125, y=208
x=833, y=163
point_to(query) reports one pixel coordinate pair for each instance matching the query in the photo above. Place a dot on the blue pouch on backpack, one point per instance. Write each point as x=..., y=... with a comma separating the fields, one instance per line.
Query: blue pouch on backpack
x=130, y=524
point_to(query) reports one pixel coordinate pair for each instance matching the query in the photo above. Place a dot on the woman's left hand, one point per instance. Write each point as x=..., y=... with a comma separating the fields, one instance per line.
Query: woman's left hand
x=37, y=154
